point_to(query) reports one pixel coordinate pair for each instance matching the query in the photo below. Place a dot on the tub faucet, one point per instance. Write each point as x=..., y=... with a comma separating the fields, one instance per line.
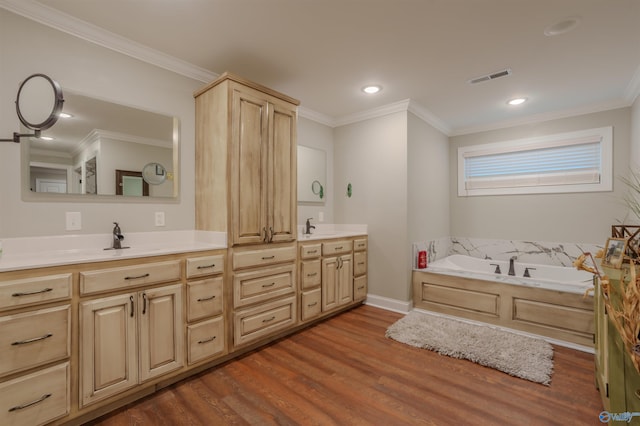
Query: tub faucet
x=497, y=271
x=308, y=227
x=117, y=236
x=512, y=270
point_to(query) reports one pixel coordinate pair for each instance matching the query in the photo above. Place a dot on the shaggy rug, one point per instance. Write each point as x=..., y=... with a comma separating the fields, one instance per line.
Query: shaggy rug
x=520, y=356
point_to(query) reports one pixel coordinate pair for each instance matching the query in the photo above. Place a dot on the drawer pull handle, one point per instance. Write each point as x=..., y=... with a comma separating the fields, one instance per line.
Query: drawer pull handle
x=144, y=303
x=29, y=404
x=312, y=274
x=35, y=339
x=310, y=305
x=269, y=319
x=131, y=300
x=210, y=339
x=312, y=251
x=137, y=277
x=29, y=293
x=338, y=248
x=360, y=263
x=213, y=265
x=204, y=299
x=361, y=287
x=268, y=257
x=268, y=285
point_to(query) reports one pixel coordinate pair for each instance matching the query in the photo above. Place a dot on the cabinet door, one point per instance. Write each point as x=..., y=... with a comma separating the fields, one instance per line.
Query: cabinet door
x=281, y=182
x=345, y=280
x=108, y=353
x=248, y=168
x=329, y=283
x=161, y=330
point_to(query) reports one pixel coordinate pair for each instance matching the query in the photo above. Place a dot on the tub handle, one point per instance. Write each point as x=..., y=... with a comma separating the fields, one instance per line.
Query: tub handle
x=526, y=272
x=497, y=271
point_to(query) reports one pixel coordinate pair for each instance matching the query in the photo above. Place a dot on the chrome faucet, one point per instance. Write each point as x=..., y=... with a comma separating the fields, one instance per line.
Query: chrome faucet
x=117, y=236
x=512, y=270
x=308, y=227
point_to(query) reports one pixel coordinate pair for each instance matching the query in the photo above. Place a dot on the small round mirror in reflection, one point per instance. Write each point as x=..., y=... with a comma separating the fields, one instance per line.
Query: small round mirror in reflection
x=39, y=102
x=154, y=173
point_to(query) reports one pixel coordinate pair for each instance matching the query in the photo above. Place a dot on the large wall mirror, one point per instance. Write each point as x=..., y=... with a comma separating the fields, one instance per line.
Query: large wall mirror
x=98, y=150
x=312, y=175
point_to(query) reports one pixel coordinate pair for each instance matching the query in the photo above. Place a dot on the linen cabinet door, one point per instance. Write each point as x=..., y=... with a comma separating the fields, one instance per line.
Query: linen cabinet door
x=108, y=350
x=161, y=331
x=282, y=189
x=248, y=168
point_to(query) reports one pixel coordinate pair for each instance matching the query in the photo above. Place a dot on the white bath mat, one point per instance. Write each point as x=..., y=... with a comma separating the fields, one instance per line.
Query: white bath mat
x=520, y=356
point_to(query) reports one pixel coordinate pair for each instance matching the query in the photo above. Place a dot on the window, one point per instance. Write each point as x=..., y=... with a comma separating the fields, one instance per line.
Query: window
x=566, y=162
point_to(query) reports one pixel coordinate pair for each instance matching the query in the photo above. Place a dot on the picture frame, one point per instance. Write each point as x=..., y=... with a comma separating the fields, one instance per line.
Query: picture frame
x=614, y=252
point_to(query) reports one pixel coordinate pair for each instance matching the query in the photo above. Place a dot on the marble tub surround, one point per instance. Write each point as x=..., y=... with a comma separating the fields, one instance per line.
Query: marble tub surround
x=325, y=230
x=35, y=252
x=539, y=252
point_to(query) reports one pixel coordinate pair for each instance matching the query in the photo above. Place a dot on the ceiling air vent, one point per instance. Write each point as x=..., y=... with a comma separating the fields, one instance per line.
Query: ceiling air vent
x=492, y=76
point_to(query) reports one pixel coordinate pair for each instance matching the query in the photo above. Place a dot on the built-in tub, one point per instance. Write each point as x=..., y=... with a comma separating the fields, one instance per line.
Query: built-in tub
x=549, y=303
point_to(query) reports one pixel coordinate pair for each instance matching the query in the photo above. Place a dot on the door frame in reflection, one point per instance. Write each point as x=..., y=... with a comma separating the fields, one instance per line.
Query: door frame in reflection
x=126, y=178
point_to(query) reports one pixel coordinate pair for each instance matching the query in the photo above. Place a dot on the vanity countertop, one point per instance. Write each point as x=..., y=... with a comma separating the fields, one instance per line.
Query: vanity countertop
x=39, y=252
x=329, y=231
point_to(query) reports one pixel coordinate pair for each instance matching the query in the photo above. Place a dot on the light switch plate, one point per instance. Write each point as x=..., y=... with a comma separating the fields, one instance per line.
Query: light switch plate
x=73, y=221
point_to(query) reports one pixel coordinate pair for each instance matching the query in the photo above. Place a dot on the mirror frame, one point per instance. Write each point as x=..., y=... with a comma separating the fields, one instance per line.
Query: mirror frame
x=30, y=196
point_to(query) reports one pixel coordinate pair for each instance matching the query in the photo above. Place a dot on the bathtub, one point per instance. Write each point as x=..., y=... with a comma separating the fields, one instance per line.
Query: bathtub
x=549, y=303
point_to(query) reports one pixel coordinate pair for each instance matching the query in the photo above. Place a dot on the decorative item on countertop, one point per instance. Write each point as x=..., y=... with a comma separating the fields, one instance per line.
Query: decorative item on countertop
x=632, y=234
x=614, y=252
x=422, y=259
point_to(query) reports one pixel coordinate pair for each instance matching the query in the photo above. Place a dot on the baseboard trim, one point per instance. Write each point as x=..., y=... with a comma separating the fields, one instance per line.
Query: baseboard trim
x=388, y=303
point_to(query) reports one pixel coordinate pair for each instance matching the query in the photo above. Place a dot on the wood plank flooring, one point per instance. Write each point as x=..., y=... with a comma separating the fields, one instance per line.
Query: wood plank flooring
x=343, y=371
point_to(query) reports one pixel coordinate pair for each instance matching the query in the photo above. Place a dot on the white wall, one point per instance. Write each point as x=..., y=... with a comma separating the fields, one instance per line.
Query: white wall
x=372, y=156
x=573, y=217
x=428, y=182
x=27, y=47
x=635, y=134
x=319, y=136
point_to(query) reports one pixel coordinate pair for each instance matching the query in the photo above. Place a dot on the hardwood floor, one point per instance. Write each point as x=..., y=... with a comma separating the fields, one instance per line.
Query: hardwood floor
x=343, y=371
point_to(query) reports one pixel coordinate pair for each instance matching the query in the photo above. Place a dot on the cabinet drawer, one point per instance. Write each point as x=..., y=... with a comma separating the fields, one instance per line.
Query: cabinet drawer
x=255, y=323
x=360, y=244
x=30, y=291
x=360, y=288
x=310, y=274
x=206, y=265
x=263, y=284
x=359, y=263
x=37, y=398
x=311, y=306
x=261, y=257
x=309, y=251
x=204, y=298
x=34, y=338
x=126, y=277
x=206, y=339
x=336, y=247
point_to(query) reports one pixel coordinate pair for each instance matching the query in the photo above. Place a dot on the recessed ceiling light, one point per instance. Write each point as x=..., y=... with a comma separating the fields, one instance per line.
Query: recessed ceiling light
x=371, y=89
x=65, y=115
x=517, y=101
x=562, y=26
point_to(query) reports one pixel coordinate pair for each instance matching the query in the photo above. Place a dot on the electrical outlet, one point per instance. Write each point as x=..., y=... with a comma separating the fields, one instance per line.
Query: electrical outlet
x=73, y=221
x=320, y=216
x=159, y=218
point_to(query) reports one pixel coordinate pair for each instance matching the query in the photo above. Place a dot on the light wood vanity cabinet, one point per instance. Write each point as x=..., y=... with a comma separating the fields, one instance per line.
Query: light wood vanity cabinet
x=35, y=347
x=264, y=292
x=246, y=161
x=332, y=275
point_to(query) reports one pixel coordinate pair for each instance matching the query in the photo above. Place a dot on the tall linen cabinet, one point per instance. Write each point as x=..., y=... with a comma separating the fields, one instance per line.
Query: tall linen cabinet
x=246, y=162
x=246, y=187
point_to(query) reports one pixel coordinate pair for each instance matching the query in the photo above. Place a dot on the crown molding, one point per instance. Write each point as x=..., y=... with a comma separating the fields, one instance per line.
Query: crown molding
x=539, y=118
x=318, y=117
x=373, y=113
x=633, y=88
x=63, y=22
x=427, y=116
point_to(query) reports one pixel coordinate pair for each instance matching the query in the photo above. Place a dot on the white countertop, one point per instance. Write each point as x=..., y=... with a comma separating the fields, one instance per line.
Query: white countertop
x=326, y=231
x=38, y=252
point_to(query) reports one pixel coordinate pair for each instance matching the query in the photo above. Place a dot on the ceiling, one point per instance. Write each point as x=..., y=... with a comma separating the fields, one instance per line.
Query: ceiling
x=323, y=52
